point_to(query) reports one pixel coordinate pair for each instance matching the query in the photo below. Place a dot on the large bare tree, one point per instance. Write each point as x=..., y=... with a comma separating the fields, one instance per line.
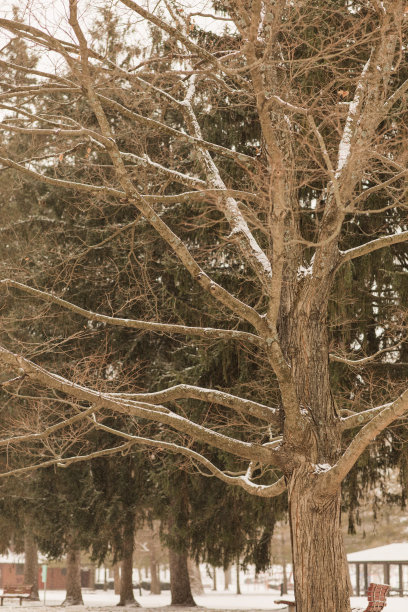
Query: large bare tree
x=326, y=86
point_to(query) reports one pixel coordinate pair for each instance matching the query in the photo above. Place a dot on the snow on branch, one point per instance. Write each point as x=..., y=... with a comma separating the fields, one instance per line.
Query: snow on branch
x=351, y=121
x=242, y=481
x=228, y=205
x=373, y=245
x=250, y=407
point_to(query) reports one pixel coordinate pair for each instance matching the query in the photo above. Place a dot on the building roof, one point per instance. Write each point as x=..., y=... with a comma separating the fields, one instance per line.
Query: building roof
x=392, y=552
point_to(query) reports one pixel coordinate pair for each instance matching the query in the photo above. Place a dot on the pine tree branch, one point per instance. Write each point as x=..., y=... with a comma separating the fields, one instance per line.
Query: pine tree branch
x=167, y=328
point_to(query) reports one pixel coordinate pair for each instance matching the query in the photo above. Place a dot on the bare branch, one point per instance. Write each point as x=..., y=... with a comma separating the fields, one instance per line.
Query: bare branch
x=144, y=411
x=364, y=360
x=168, y=328
x=242, y=481
x=49, y=430
x=66, y=461
x=390, y=412
x=250, y=407
x=152, y=123
x=373, y=245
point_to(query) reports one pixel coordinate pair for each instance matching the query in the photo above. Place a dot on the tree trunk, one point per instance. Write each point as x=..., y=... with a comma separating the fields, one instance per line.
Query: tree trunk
x=214, y=577
x=227, y=578
x=126, y=579
x=154, y=577
x=320, y=566
x=116, y=578
x=238, y=580
x=74, y=595
x=180, y=580
x=31, y=564
x=195, y=577
x=284, y=588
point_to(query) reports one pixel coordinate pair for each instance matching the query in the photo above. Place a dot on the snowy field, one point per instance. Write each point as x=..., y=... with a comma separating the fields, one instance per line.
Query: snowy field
x=105, y=601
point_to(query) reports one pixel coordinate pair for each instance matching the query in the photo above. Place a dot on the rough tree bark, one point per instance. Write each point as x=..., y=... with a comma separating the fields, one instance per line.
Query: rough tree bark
x=31, y=563
x=73, y=595
x=179, y=579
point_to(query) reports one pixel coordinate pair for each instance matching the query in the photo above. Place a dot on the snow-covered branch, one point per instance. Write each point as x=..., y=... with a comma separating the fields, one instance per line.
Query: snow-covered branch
x=242, y=481
x=270, y=415
x=373, y=245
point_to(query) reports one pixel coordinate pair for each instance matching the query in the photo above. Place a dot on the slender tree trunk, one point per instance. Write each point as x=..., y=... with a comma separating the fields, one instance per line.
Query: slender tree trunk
x=195, y=577
x=227, y=578
x=320, y=566
x=238, y=580
x=154, y=547
x=285, y=579
x=284, y=569
x=116, y=578
x=126, y=580
x=31, y=563
x=214, y=587
x=74, y=595
x=179, y=579
x=154, y=577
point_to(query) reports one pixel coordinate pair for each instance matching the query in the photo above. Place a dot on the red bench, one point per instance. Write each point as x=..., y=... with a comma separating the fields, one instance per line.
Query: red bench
x=377, y=598
x=376, y=594
x=12, y=592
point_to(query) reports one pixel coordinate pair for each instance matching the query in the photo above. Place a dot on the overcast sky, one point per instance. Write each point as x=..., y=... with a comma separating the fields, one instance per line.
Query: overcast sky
x=53, y=16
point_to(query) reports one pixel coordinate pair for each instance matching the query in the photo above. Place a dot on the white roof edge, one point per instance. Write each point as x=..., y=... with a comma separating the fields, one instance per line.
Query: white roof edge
x=397, y=552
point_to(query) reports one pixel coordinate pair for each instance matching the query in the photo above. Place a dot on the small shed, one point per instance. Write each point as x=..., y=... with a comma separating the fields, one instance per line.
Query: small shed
x=392, y=558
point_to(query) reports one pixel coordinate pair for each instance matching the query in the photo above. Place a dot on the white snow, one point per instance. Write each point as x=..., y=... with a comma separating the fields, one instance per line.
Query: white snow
x=106, y=601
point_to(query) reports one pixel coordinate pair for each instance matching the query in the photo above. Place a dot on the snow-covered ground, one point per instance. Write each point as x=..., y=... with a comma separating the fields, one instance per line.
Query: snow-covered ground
x=107, y=601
